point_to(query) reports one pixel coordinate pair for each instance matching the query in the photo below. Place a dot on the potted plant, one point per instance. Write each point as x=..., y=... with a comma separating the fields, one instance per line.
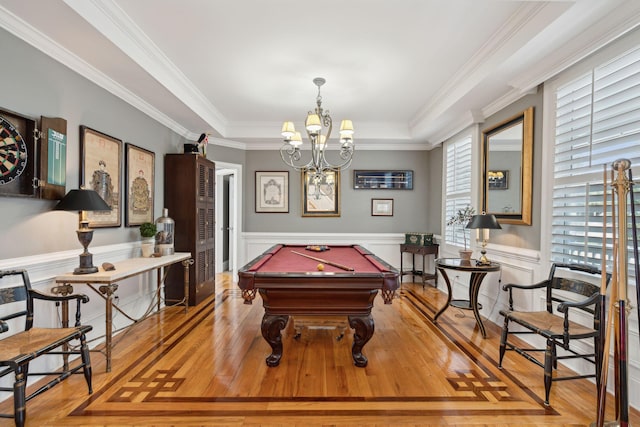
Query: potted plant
x=462, y=218
x=148, y=233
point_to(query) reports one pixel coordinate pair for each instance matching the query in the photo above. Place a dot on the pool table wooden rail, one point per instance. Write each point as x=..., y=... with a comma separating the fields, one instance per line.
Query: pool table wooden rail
x=318, y=293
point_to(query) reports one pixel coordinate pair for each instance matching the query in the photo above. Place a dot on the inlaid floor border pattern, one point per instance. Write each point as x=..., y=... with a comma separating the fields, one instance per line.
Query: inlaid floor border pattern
x=145, y=390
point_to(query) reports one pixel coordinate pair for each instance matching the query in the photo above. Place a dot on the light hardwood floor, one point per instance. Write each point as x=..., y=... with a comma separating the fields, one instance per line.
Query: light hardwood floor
x=207, y=368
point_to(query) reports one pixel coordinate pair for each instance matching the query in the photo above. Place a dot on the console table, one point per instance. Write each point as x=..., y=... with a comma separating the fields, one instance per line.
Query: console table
x=419, y=250
x=107, y=286
x=477, y=275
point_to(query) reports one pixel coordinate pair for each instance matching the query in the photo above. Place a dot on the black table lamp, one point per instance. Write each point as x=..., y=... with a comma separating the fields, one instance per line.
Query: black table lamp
x=83, y=200
x=484, y=222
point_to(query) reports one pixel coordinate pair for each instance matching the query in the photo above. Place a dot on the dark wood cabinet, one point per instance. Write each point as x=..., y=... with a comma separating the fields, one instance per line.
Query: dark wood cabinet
x=189, y=194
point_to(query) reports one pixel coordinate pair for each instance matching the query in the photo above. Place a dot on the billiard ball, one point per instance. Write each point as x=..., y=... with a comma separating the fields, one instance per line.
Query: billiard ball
x=320, y=267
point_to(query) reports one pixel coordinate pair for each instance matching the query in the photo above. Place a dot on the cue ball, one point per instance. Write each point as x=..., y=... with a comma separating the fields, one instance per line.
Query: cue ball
x=320, y=267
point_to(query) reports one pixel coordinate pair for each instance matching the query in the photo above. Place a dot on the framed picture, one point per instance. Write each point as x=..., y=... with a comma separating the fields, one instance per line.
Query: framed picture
x=383, y=179
x=381, y=207
x=321, y=194
x=101, y=170
x=272, y=191
x=498, y=180
x=139, y=181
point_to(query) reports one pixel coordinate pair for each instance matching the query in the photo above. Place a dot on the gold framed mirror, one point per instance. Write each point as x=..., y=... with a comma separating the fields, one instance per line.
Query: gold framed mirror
x=507, y=169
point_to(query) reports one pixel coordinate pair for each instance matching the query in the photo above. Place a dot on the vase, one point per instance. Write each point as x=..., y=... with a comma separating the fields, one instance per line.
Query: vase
x=148, y=247
x=465, y=255
x=164, y=237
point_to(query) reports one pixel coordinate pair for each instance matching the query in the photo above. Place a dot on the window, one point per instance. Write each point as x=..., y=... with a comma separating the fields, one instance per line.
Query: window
x=597, y=122
x=457, y=187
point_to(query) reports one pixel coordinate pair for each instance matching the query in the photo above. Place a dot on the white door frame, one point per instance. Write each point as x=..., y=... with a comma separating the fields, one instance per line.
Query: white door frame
x=223, y=168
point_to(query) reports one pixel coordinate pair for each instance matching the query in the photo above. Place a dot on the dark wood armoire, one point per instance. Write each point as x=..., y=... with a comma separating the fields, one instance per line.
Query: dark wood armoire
x=189, y=194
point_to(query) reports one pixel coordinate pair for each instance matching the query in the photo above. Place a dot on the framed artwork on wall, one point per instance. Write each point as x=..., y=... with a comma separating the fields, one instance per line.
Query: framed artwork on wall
x=139, y=181
x=321, y=194
x=101, y=170
x=272, y=191
x=383, y=179
x=498, y=180
x=381, y=207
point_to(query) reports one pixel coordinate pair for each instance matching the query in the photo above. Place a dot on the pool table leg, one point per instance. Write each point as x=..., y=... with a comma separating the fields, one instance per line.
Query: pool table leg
x=271, y=327
x=363, y=327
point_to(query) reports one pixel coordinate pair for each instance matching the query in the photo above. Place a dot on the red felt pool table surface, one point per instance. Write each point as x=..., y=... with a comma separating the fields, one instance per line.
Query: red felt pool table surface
x=287, y=259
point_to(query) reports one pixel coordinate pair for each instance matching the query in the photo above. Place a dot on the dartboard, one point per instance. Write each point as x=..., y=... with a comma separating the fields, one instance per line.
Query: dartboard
x=13, y=152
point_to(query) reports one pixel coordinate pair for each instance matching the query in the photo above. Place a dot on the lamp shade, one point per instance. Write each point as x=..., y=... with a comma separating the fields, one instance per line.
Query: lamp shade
x=288, y=129
x=313, y=123
x=82, y=200
x=296, y=139
x=346, y=127
x=487, y=221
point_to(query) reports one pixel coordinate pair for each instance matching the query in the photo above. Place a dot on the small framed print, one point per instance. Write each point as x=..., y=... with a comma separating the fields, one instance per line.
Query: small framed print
x=381, y=207
x=101, y=170
x=498, y=179
x=139, y=179
x=272, y=191
x=321, y=193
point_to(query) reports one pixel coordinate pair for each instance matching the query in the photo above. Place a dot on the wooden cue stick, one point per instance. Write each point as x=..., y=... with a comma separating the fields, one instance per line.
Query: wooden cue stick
x=634, y=234
x=613, y=284
x=604, y=321
x=335, y=264
x=623, y=331
x=615, y=297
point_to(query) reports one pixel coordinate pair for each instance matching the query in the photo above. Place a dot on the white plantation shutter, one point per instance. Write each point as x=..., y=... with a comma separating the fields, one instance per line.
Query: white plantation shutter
x=457, y=187
x=597, y=122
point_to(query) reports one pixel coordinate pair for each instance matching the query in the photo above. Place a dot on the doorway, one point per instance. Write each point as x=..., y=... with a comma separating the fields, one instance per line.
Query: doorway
x=228, y=221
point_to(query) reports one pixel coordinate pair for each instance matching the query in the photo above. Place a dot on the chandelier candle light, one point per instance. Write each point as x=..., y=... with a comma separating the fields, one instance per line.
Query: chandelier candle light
x=316, y=120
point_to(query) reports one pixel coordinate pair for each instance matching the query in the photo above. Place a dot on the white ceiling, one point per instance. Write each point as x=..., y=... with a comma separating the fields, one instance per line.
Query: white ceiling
x=409, y=73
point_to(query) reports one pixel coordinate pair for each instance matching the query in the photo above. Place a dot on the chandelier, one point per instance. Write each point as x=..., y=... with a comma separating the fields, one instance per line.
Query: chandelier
x=318, y=126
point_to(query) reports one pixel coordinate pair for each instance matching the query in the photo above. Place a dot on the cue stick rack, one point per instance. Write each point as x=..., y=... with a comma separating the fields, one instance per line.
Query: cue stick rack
x=619, y=308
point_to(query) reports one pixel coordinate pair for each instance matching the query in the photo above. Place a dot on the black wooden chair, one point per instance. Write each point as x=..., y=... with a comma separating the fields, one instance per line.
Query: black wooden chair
x=19, y=349
x=570, y=293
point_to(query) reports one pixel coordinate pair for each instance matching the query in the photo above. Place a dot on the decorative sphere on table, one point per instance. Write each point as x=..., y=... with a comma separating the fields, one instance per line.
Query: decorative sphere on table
x=320, y=267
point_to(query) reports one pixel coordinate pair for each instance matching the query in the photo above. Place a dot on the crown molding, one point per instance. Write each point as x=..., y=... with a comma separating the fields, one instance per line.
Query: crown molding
x=222, y=142
x=478, y=67
x=507, y=99
x=113, y=23
x=628, y=17
x=454, y=127
x=21, y=29
x=360, y=146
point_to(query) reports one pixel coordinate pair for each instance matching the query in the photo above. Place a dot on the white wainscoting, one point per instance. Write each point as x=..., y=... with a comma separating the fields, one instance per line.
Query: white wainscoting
x=135, y=295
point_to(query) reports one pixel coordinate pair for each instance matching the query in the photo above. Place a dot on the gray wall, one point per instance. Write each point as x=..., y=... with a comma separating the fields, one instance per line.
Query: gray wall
x=36, y=85
x=39, y=86
x=411, y=207
x=523, y=236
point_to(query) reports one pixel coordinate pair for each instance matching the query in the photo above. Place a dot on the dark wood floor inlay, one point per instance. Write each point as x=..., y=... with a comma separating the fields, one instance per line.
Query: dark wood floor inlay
x=201, y=377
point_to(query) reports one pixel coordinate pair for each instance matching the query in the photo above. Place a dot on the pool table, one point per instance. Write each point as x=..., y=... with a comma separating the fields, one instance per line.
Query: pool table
x=292, y=283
